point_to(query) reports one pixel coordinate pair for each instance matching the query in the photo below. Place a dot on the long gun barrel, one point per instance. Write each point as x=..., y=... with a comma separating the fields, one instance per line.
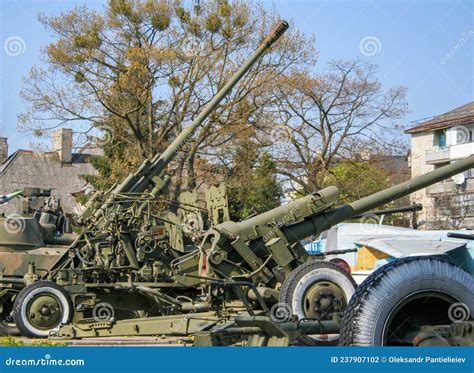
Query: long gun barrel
x=410, y=208
x=159, y=162
x=462, y=236
x=148, y=172
x=320, y=222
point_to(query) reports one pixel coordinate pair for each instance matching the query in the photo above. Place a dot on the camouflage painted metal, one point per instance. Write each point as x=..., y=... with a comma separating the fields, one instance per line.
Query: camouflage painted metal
x=216, y=196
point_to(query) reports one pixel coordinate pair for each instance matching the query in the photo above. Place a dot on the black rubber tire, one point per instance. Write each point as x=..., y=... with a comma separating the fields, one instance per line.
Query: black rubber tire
x=8, y=329
x=21, y=302
x=325, y=270
x=370, y=308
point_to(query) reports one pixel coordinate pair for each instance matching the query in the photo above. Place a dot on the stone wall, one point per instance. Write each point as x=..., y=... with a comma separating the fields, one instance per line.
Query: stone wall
x=3, y=149
x=452, y=211
x=420, y=142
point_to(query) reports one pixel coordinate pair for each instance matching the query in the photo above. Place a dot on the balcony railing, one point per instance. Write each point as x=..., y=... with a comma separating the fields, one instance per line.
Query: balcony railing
x=438, y=155
x=448, y=186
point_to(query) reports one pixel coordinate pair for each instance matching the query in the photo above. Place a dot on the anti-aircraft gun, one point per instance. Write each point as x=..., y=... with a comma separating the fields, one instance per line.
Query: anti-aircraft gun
x=262, y=247
x=261, y=283
x=120, y=262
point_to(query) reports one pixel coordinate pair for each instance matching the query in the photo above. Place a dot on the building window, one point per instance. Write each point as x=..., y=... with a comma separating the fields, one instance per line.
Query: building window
x=440, y=139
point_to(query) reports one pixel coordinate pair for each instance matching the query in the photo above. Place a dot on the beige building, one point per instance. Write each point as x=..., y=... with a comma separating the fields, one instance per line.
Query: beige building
x=437, y=142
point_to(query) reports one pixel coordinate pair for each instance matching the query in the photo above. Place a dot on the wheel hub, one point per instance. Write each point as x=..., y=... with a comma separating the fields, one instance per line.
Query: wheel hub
x=44, y=312
x=323, y=299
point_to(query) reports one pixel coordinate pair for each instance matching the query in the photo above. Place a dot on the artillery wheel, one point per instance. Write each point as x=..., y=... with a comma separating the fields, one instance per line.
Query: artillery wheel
x=393, y=303
x=41, y=307
x=316, y=290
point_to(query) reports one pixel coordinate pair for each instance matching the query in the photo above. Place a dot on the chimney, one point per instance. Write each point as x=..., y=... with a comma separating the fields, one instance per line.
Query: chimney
x=62, y=144
x=3, y=149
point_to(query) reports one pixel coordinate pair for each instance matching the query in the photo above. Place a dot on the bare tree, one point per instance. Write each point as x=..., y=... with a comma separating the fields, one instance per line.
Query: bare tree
x=328, y=116
x=450, y=211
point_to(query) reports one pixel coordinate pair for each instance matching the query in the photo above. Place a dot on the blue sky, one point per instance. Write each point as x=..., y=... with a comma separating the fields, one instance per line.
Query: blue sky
x=425, y=45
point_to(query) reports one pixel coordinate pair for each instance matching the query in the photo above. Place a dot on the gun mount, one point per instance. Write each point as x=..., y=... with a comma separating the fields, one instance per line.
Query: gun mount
x=318, y=298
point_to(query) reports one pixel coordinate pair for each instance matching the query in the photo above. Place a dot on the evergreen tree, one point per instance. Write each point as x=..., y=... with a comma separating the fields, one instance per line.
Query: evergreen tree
x=254, y=188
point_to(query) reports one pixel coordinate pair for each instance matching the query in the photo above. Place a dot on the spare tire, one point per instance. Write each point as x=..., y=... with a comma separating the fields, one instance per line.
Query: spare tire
x=391, y=305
